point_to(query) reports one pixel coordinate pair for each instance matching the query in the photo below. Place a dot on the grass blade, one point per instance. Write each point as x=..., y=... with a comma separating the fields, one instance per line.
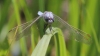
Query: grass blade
x=60, y=45
x=42, y=46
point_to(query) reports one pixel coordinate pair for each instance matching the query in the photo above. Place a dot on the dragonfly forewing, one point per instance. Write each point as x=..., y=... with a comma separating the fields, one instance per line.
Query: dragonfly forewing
x=23, y=30
x=78, y=34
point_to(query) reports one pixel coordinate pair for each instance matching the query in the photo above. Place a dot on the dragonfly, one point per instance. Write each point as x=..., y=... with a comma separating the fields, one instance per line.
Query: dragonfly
x=52, y=20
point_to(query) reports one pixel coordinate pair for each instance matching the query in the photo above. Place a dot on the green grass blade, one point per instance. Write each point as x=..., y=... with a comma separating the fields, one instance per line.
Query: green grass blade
x=17, y=15
x=60, y=45
x=90, y=15
x=74, y=21
x=42, y=46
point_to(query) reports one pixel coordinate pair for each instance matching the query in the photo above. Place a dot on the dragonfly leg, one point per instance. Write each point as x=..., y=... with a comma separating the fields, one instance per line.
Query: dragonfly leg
x=45, y=27
x=50, y=27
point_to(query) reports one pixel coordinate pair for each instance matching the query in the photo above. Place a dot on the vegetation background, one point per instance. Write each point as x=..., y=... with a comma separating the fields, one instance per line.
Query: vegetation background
x=82, y=14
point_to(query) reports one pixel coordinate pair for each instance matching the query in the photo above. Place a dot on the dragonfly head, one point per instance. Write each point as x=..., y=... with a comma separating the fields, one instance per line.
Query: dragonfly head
x=48, y=16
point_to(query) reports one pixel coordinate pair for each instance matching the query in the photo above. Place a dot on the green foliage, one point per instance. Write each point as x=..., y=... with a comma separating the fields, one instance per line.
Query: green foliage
x=82, y=14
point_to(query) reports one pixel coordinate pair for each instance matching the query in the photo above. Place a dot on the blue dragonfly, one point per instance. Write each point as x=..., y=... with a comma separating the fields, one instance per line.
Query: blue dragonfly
x=51, y=20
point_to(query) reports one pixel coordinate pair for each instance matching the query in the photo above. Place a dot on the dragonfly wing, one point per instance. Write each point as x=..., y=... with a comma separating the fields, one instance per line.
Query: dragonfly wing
x=23, y=30
x=71, y=31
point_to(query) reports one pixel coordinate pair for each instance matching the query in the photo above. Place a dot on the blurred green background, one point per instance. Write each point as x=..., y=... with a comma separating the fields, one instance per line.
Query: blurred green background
x=82, y=14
